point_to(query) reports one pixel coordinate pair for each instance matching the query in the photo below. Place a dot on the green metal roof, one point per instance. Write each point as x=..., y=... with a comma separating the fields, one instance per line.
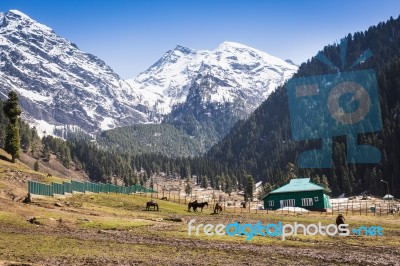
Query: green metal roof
x=297, y=184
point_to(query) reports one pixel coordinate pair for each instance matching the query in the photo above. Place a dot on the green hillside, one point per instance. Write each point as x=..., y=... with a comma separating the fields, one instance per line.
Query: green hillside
x=162, y=139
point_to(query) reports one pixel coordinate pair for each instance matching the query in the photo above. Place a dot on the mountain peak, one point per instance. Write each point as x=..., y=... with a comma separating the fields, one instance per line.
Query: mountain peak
x=227, y=44
x=15, y=19
x=183, y=49
x=18, y=14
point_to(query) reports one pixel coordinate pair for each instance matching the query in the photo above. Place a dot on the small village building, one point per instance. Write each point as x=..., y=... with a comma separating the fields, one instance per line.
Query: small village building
x=299, y=192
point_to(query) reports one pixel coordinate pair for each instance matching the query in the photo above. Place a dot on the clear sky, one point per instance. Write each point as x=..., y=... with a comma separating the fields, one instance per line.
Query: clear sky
x=132, y=35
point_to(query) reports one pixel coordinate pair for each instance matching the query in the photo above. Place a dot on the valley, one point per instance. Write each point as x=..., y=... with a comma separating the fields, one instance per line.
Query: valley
x=110, y=229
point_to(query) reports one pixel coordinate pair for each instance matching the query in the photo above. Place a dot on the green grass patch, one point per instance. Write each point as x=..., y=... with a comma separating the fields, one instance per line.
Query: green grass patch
x=12, y=220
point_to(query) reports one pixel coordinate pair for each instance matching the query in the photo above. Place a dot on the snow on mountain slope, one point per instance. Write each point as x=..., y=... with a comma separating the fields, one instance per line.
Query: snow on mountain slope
x=247, y=74
x=60, y=84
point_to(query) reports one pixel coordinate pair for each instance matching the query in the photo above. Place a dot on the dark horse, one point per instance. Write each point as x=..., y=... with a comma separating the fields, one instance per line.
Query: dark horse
x=218, y=208
x=192, y=205
x=196, y=205
x=153, y=204
x=340, y=220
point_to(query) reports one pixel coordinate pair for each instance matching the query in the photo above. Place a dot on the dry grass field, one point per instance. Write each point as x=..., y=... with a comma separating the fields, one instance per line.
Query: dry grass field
x=112, y=229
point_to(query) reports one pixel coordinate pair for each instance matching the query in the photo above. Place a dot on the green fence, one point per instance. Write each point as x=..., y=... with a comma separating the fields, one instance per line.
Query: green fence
x=37, y=188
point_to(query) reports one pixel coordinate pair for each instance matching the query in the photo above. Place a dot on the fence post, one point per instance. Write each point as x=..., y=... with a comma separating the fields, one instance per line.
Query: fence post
x=360, y=207
x=249, y=206
x=257, y=207
x=352, y=208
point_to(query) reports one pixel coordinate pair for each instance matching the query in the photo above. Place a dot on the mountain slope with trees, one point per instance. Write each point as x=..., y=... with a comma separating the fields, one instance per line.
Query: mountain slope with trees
x=263, y=145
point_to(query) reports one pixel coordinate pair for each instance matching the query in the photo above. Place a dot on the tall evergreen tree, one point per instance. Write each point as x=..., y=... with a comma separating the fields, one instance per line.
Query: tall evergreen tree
x=12, y=111
x=188, y=187
x=249, y=191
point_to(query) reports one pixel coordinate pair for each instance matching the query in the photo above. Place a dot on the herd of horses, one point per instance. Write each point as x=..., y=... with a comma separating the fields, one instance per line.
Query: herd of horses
x=192, y=205
x=218, y=208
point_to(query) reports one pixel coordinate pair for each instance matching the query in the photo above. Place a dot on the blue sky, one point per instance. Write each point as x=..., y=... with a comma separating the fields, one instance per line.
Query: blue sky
x=131, y=35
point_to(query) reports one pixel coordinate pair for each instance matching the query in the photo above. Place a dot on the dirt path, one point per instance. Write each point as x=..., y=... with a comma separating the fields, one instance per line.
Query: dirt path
x=200, y=252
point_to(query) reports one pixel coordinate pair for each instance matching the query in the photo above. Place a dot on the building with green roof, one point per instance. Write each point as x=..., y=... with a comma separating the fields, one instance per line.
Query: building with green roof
x=299, y=192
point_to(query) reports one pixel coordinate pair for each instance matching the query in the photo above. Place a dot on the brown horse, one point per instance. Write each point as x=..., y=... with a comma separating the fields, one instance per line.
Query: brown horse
x=218, y=208
x=151, y=204
x=340, y=220
x=196, y=205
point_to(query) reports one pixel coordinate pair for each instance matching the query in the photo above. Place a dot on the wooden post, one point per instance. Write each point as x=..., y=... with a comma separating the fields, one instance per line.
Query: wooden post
x=366, y=208
x=360, y=207
x=352, y=208
x=347, y=207
x=256, y=206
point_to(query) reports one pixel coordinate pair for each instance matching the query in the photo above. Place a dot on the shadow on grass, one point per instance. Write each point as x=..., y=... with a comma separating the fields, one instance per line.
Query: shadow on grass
x=4, y=158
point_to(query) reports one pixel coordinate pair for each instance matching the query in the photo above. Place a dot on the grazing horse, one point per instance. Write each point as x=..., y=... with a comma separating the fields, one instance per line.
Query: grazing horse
x=164, y=198
x=218, y=208
x=201, y=206
x=153, y=204
x=340, y=220
x=192, y=205
x=196, y=205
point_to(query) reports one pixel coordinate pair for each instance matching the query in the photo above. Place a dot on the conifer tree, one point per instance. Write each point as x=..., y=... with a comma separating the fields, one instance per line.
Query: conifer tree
x=11, y=109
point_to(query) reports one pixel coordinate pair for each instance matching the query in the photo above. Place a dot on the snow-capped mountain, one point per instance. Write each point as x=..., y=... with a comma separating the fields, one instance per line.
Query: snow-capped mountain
x=59, y=84
x=243, y=73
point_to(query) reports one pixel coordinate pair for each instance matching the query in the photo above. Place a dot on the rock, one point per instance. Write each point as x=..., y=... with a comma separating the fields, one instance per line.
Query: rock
x=33, y=220
x=58, y=204
x=27, y=199
x=17, y=199
x=177, y=219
